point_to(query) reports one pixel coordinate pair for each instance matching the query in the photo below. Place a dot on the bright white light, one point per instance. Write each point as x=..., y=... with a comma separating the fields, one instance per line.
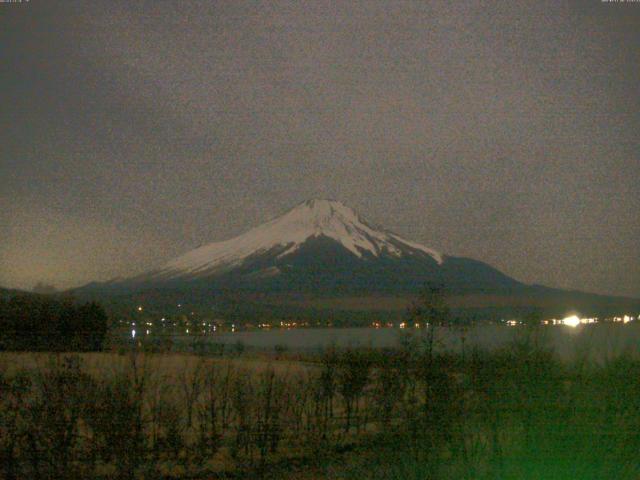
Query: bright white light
x=626, y=319
x=133, y=334
x=572, y=321
x=140, y=308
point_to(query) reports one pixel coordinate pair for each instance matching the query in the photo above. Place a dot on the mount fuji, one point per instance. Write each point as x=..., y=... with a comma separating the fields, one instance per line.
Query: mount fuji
x=323, y=255
x=322, y=246
x=286, y=235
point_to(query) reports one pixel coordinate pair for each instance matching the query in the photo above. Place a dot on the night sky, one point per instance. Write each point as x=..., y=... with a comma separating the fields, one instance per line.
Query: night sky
x=505, y=131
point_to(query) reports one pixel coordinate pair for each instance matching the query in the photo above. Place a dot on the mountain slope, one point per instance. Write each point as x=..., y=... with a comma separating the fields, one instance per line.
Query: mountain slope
x=322, y=246
x=322, y=251
x=287, y=234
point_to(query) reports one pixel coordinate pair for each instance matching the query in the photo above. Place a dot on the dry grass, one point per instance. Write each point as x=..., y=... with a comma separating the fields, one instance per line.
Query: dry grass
x=451, y=418
x=169, y=365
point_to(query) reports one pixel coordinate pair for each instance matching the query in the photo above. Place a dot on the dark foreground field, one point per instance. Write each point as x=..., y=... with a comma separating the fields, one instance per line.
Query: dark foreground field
x=514, y=413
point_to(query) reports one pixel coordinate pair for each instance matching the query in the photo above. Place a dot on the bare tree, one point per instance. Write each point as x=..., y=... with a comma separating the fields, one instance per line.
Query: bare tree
x=429, y=311
x=191, y=385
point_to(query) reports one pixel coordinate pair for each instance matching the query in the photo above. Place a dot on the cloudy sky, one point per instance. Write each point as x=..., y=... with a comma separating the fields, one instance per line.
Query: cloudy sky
x=504, y=131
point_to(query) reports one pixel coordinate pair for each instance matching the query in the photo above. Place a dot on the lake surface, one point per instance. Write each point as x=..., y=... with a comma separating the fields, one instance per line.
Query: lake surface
x=599, y=342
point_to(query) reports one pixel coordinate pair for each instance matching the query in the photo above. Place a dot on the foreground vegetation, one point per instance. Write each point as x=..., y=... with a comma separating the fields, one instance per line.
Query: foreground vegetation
x=405, y=413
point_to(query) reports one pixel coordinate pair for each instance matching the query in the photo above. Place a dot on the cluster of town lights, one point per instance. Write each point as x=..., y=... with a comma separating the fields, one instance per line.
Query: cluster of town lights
x=572, y=321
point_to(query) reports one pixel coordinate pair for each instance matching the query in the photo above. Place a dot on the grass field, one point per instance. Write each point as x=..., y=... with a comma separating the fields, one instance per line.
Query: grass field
x=516, y=413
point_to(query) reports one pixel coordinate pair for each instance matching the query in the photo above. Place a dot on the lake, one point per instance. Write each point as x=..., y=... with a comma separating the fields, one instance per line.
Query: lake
x=599, y=341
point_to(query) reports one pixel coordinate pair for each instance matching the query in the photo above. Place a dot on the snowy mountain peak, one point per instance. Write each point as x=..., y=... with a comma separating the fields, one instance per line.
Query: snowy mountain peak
x=287, y=233
x=320, y=215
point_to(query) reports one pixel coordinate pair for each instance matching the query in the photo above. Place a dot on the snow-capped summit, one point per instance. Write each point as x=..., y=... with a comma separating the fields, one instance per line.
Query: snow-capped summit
x=287, y=233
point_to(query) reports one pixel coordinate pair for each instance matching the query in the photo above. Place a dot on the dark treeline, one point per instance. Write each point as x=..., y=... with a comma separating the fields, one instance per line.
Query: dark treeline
x=44, y=323
x=516, y=413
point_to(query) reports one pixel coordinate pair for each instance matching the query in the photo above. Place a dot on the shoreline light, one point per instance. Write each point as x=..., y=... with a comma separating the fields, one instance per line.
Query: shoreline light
x=572, y=321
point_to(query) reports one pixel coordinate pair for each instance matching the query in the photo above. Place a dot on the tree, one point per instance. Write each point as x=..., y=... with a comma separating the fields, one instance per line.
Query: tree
x=91, y=327
x=352, y=377
x=41, y=323
x=428, y=311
